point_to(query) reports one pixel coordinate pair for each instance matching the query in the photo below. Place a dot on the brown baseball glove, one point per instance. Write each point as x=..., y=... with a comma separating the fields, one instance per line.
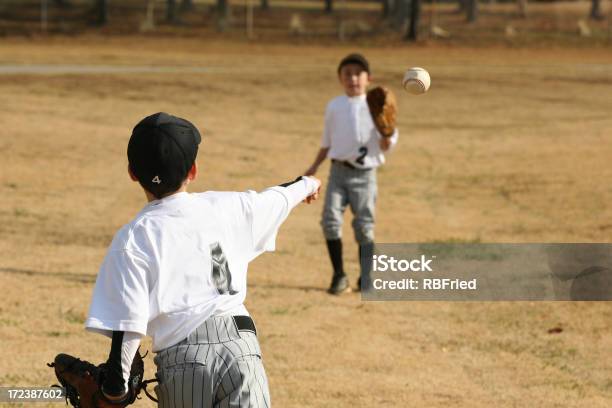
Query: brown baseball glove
x=383, y=108
x=82, y=381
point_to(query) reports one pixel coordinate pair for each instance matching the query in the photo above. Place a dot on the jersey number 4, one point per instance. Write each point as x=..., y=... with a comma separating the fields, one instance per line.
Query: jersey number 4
x=221, y=275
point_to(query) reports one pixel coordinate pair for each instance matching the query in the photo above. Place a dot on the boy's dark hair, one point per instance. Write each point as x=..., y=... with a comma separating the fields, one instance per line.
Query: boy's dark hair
x=161, y=151
x=354, y=59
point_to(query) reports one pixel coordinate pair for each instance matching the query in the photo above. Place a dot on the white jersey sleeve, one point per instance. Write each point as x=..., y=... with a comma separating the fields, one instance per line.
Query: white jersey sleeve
x=121, y=296
x=269, y=209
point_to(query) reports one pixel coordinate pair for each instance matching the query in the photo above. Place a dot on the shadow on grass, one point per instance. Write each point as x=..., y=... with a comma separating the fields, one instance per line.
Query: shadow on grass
x=72, y=277
x=286, y=287
x=83, y=278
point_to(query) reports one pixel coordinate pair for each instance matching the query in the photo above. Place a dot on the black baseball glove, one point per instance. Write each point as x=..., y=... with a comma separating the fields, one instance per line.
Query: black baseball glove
x=82, y=381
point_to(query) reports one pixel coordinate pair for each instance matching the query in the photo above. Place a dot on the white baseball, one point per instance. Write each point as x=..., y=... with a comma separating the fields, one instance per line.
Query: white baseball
x=416, y=81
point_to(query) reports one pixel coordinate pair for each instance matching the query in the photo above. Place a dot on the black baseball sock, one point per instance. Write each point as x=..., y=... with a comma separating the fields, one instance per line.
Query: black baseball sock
x=334, y=247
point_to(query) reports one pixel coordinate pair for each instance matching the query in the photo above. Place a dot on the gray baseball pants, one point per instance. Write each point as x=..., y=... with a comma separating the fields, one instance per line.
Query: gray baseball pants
x=356, y=188
x=216, y=366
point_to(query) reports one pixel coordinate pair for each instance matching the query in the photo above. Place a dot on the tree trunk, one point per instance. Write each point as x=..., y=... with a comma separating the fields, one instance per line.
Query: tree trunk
x=522, y=8
x=596, y=13
x=472, y=11
x=386, y=7
x=171, y=11
x=329, y=6
x=401, y=13
x=102, y=12
x=412, y=33
x=187, y=5
x=461, y=6
x=224, y=15
x=396, y=5
x=265, y=5
x=148, y=24
x=222, y=6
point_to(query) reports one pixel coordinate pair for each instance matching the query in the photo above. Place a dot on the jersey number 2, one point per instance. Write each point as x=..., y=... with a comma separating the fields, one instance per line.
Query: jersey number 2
x=364, y=151
x=221, y=275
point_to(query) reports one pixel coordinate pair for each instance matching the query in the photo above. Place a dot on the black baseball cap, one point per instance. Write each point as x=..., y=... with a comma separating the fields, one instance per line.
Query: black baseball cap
x=161, y=151
x=355, y=59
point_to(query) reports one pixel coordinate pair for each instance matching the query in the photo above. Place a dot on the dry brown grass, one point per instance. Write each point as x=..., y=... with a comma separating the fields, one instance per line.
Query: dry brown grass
x=508, y=146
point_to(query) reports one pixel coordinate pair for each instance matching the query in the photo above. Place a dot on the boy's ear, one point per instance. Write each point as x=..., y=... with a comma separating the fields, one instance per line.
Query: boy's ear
x=193, y=172
x=132, y=175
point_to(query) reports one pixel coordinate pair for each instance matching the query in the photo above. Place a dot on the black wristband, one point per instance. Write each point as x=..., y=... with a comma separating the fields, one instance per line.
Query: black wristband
x=287, y=184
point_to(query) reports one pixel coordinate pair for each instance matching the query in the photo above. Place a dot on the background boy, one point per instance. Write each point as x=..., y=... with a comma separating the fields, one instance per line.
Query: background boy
x=178, y=273
x=356, y=149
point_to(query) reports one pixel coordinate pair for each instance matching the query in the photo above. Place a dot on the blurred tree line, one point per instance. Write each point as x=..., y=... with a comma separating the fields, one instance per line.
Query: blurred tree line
x=398, y=11
x=404, y=15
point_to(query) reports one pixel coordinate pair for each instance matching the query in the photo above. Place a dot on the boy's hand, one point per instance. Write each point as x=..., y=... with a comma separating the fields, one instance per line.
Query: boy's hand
x=385, y=143
x=314, y=196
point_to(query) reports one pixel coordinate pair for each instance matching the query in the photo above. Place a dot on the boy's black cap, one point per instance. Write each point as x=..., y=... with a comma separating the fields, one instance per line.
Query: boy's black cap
x=355, y=59
x=161, y=151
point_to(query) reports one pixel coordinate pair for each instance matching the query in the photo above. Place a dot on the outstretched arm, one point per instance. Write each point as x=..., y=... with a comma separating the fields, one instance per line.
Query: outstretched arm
x=309, y=185
x=270, y=208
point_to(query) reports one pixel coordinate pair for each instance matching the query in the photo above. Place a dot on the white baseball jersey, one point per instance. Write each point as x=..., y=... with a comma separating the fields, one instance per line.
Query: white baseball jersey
x=350, y=133
x=184, y=258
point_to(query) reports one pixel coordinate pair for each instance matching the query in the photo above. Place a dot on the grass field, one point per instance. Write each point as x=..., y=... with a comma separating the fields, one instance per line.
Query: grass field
x=509, y=145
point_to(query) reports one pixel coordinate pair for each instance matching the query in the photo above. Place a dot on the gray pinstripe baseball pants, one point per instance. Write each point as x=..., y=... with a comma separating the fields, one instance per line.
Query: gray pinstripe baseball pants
x=217, y=366
x=356, y=188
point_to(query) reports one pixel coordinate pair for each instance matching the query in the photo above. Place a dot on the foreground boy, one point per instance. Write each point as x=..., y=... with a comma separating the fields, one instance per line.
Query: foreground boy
x=178, y=271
